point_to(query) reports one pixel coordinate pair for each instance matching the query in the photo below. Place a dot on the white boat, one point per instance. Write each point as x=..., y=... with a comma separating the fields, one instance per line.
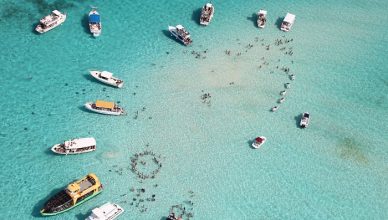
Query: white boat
x=75, y=146
x=107, y=78
x=287, y=23
x=261, y=18
x=292, y=77
x=287, y=85
x=95, y=22
x=275, y=108
x=258, y=142
x=50, y=21
x=108, y=211
x=281, y=100
x=181, y=34
x=304, y=121
x=283, y=92
x=103, y=107
x=207, y=14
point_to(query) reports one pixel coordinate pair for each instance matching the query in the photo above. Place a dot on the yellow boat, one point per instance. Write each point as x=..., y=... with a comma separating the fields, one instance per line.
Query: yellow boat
x=75, y=194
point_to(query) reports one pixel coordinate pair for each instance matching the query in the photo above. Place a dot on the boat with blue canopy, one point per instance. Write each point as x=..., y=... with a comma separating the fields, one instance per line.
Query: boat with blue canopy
x=95, y=22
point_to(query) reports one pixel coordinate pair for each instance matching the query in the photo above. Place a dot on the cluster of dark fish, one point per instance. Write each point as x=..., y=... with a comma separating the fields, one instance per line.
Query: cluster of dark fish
x=139, y=158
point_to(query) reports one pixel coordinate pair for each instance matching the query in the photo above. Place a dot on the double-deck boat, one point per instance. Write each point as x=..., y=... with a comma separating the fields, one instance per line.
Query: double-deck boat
x=103, y=107
x=258, y=142
x=261, y=18
x=108, y=211
x=75, y=146
x=50, y=21
x=95, y=22
x=287, y=22
x=304, y=121
x=107, y=78
x=207, y=14
x=73, y=195
x=181, y=34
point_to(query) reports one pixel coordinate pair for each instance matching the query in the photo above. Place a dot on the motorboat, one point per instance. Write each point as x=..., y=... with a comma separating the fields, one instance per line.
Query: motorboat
x=261, y=18
x=172, y=216
x=73, y=195
x=207, y=14
x=283, y=93
x=181, y=34
x=281, y=100
x=75, y=146
x=106, y=108
x=107, y=78
x=292, y=77
x=287, y=85
x=275, y=108
x=108, y=211
x=287, y=23
x=51, y=21
x=258, y=142
x=304, y=121
x=95, y=22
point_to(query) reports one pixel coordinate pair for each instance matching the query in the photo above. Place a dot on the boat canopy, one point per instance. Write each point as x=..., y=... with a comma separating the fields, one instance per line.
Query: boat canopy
x=180, y=27
x=104, y=104
x=106, y=74
x=290, y=18
x=79, y=143
x=56, y=12
x=94, y=18
x=97, y=212
x=259, y=139
x=209, y=5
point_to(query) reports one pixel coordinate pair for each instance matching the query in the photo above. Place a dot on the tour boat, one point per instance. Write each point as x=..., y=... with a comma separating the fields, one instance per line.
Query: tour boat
x=73, y=195
x=103, y=107
x=181, y=34
x=51, y=21
x=261, y=18
x=95, y=22
x=287, y=22
x=108, y=211
x=281, y=100
x=283, y=92
x=107, y=78
x=258, y=142
x=75, y=146
x=207, y=14
x=304, y=121
x=275, y=108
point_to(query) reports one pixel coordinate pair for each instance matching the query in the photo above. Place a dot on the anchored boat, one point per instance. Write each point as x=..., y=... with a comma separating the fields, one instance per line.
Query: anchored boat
x=181, y=34
x=207, y=14
x=261, y=18
x=287, y=22
x=51, y=21
x=107, y=78
x=305, y=120
x=75, y=194
x=258, y=142
x=95, y=22
x=75, y=146
x=106, y=108
x=108, y=211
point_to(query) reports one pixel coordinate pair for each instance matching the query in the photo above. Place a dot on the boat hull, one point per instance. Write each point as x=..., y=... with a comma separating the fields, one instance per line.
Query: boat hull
x=89, y=107
x=53, y=149
x=110, y=82
x=174, y=34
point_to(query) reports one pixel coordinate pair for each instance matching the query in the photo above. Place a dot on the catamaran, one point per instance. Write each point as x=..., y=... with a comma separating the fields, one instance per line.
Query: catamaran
x=207, y=14
x=181, y=34
x=107, y=78
x=75, y=146
x=287, y=22
x=261, y=18
x=108, y=211
x=51, y=21
x=95, y=22
x=106, y=108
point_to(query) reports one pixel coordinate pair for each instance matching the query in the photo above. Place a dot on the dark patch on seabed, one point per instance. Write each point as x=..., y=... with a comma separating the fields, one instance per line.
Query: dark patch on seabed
x=349, y=149
x=11, y=10
x=44, y=7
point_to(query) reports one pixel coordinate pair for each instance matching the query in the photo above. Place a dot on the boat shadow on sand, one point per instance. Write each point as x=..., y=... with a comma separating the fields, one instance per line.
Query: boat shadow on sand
x=85, y=25
x=196, y=15
x=253, y=19
x=279, y=21
x=38, y=206
x=81, y=216
x=297, y=120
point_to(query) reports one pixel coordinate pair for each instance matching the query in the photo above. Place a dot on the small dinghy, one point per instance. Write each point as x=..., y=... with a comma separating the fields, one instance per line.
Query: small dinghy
x=261, y=18
x=75, y=146
x=107, y=78
x=95, y=22
x=275, y=108
x=287, y=85
x=304, y=121
x=283, y=92
x=258, y=142
x=106, y=108
x=281, y=100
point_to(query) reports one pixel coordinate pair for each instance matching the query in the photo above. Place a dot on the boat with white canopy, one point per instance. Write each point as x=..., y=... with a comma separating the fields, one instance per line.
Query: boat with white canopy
x=287, y=22
x=108, y=211
x=51, y=21
x=75, y=146
x=107, y=78
x=261, y=18
x=207, y=14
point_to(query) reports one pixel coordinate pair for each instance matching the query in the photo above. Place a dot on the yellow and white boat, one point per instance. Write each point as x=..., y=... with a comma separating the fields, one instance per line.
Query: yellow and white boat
x=103, y=107
x=75, y=194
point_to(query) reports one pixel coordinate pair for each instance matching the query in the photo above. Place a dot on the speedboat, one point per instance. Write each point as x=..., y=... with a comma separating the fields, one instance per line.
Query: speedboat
x=258, y=142
x=304, y=121
x=261, y=18
x=275, y=108
x=108, y=211
x=281, y=100
x=51, y=21
x=107, y=78
x=75, y=146
x=73, y=195
x=106, y=108
x=207, y=14
x=95, y=22
x=287, y=23
x=181, y=34
x=283, y=92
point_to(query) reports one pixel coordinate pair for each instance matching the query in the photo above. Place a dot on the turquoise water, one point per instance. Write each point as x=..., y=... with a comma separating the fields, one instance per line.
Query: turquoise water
x=337, y=168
